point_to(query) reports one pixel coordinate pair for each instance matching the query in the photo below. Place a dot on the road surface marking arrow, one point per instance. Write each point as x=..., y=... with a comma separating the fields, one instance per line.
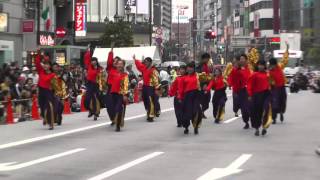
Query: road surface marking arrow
x=233, y=168
x=27, y=141
x=126, y=166
x=13, y=166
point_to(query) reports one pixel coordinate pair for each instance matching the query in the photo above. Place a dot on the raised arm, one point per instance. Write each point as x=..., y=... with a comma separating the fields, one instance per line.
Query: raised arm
x=141, y=67
x=110, y=60
x=284, y=61
x=38, y=64
x=87, y=59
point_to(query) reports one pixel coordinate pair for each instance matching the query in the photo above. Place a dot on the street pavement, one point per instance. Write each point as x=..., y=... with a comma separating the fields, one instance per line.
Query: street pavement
x=85, y=149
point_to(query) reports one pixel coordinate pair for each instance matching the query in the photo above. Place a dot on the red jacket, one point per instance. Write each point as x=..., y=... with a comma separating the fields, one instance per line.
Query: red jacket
x=258, y=82
x=216, y=83
x=176, y=88
x=150, y=76
x=44, y=78
x=277, y=77
x=111, y=70
x=189, y=83
x=120, y=83
x=92, y=73
x=238, y=78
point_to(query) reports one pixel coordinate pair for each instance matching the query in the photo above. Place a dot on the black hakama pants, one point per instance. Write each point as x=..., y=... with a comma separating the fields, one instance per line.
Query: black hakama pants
x=279, y=101
x=261, y=110
x=178, y=109
x=48, y=106
x=192, y=109
x=218, y=102
x=92, y=102
x=149, y=100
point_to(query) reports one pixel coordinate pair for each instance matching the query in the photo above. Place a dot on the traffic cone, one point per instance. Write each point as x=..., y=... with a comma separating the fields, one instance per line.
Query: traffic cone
x=136, y=95
x=67, y=109
x=9, y=119
x=82, y=107
x=35, y=109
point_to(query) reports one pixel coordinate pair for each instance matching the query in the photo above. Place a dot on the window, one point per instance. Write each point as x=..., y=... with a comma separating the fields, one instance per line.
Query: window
x=261, y=5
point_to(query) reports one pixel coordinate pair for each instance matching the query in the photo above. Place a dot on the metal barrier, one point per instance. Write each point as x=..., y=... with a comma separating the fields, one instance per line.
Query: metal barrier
x=21, y=110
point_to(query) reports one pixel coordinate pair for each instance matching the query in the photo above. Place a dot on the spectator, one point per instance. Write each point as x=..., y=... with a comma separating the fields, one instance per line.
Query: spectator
x=34, y=75
x=25, y=72
x=164, y=80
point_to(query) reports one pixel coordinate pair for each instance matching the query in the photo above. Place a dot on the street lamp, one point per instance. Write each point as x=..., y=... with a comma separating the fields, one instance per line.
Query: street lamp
x=116, y=17
x=106, y=19
x=127, y=11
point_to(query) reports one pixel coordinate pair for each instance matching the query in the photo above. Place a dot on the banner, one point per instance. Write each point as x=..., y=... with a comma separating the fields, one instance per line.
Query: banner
x=80, y=20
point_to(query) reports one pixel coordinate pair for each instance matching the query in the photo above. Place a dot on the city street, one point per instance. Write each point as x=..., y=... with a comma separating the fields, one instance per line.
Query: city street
x=85, y=149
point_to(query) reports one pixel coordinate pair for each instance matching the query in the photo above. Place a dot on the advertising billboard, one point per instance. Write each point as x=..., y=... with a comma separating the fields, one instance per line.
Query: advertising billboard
x=182, y=11
x=80, y=19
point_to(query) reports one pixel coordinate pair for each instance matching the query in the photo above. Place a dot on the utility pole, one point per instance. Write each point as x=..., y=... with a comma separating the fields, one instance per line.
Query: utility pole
x=150, y=22
x=178, y=35
x=38, y=22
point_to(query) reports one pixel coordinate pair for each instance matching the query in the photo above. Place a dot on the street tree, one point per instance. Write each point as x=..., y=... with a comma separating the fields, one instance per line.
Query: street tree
x=118, y=33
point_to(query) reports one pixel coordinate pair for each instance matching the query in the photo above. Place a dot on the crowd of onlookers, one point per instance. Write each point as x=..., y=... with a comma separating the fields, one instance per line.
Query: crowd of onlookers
x=20, y=84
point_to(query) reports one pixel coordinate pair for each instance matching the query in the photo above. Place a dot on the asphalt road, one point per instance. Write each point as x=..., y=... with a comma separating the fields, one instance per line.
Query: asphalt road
x=84, y=149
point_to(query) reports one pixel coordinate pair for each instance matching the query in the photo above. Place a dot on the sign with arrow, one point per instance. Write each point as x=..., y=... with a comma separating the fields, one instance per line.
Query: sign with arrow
x=14, y=166
x=233, y=168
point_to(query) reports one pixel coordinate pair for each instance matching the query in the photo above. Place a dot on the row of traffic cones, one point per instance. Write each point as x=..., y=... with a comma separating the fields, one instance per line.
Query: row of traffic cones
x=35, y=115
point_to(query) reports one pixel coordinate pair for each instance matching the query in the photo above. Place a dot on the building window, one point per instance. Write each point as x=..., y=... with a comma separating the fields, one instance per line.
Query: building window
x=261, y=5
x=264, y=24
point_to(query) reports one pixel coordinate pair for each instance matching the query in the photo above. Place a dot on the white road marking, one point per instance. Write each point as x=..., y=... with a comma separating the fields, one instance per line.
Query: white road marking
x=11, y=166
x=233, y=168
x=27, y=141
x=125, y=166
x=231, y=120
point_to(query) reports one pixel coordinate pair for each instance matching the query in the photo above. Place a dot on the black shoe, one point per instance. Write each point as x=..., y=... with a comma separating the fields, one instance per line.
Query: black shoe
x=112, y=123
x=217, y=121
x=150, y=119
x=118, y=129
x=179, y=126
x=59, y=123
x=257, y=133
x=274, y=122
x=264, y=132
x=196, y=131
x=186, y=131
x=236, y=114
x=90, y=114
x=281, y=118
x=158, y=115
x=95, y=118
x=246, y=126
x=51, y=128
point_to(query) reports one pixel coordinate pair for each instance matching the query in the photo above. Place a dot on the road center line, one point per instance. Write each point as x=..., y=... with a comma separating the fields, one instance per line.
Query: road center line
x=125, y=166
x=40, y=138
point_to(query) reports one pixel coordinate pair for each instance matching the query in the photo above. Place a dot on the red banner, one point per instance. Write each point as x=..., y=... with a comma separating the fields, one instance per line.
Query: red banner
x=80, y=19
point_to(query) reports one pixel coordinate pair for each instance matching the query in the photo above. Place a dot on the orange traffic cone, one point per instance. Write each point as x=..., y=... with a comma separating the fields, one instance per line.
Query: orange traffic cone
x=67, y=109
x=9, y=119
x=82, y=107
x=35, y=110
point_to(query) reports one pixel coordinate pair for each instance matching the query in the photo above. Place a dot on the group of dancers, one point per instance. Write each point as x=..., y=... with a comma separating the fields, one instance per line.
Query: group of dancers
x=258, y=90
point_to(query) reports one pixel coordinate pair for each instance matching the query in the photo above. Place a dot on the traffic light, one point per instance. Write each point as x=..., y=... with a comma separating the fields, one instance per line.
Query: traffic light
x=210, y=35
